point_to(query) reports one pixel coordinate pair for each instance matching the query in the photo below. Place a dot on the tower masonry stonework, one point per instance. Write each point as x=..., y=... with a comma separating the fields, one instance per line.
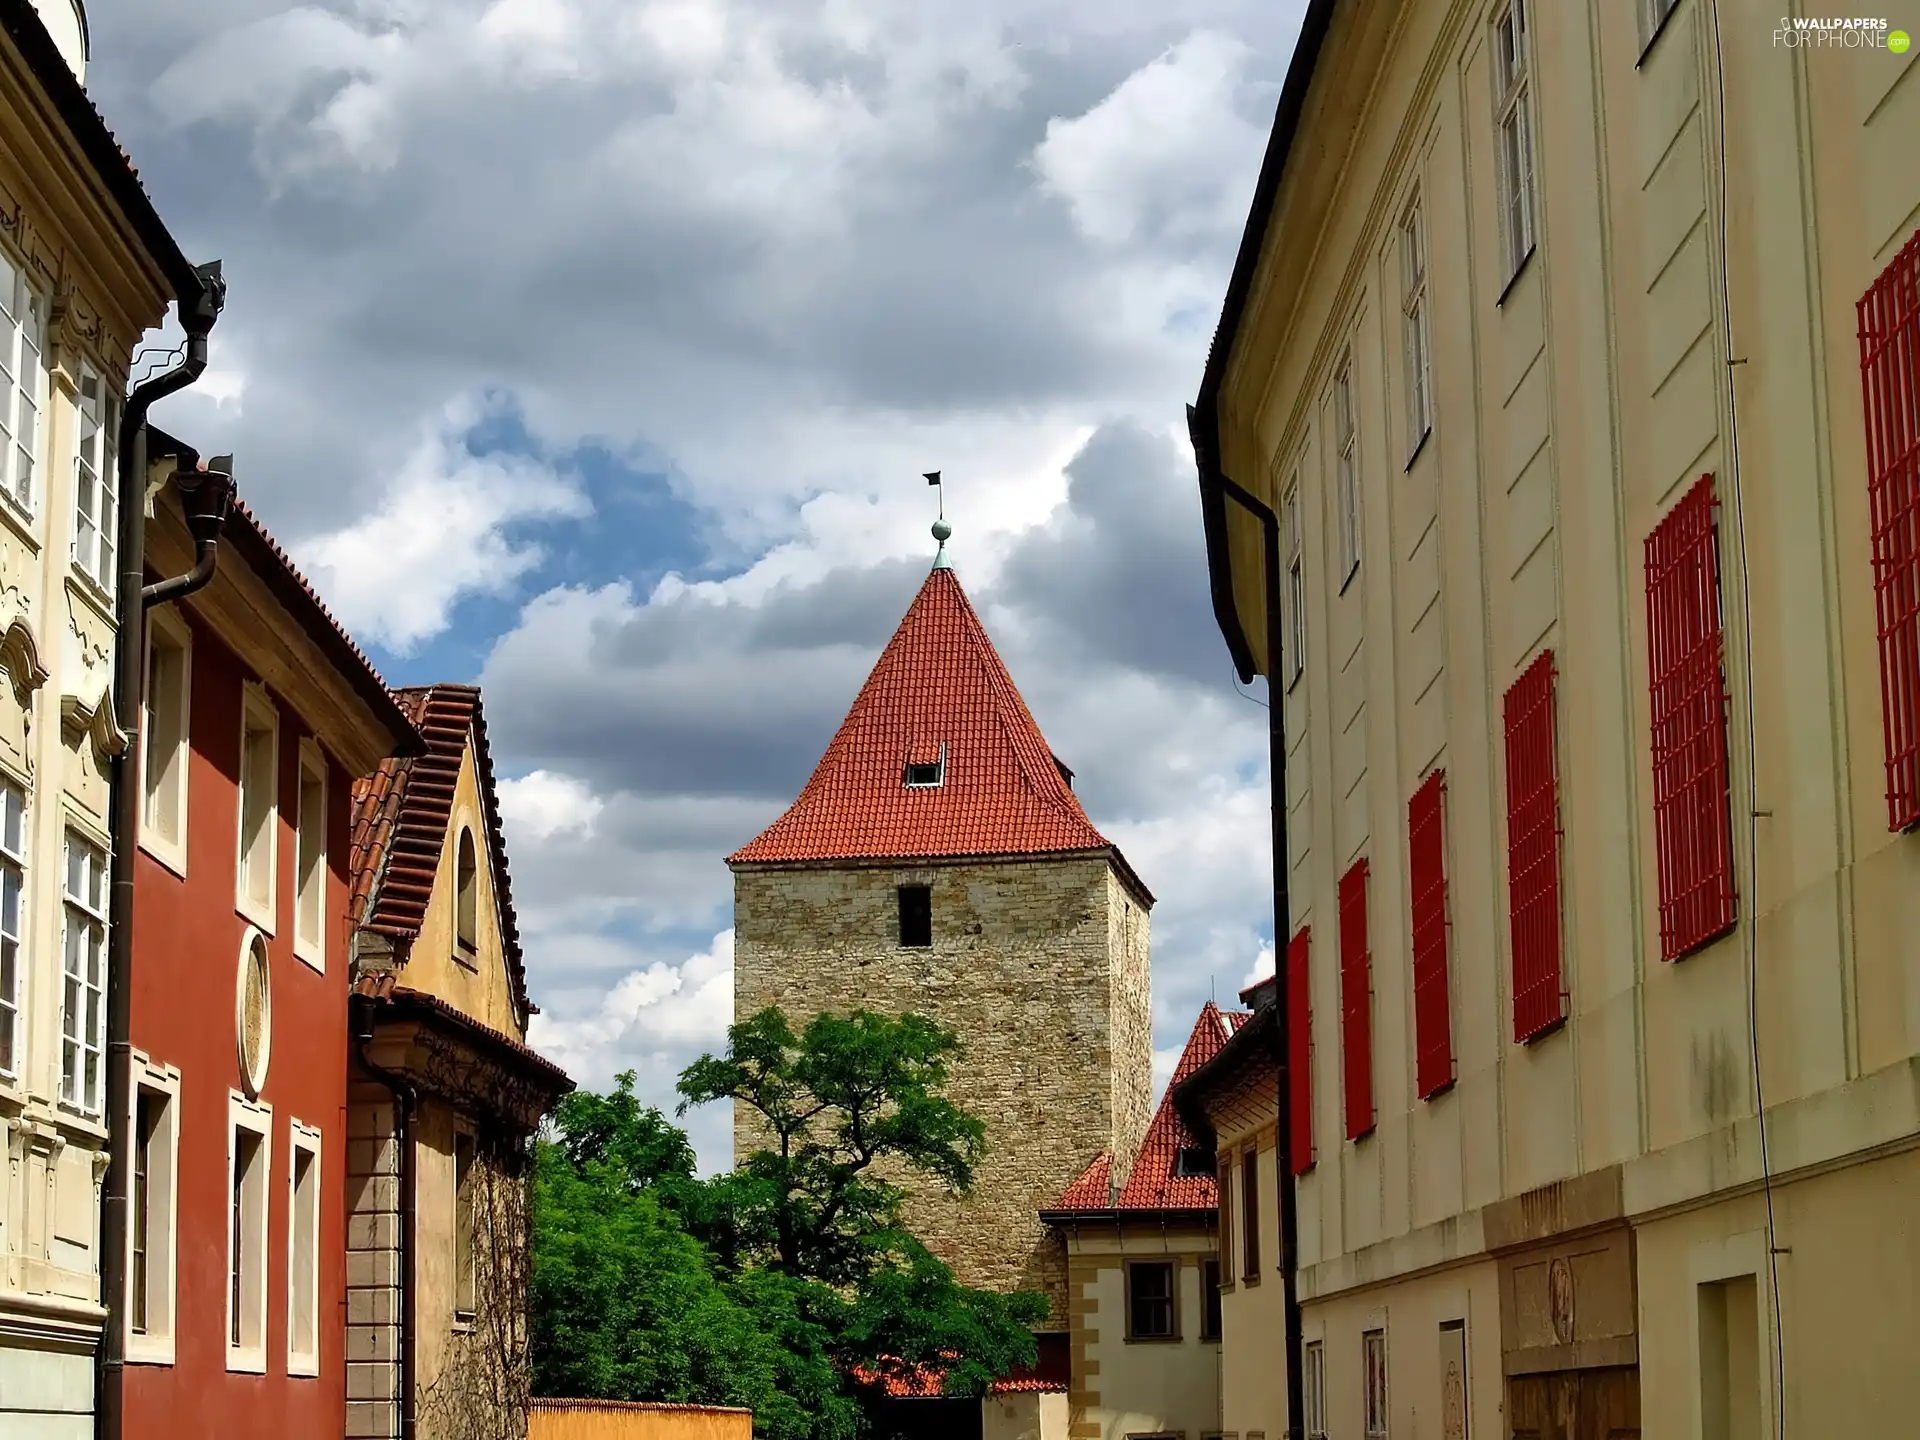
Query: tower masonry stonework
x=939, y=862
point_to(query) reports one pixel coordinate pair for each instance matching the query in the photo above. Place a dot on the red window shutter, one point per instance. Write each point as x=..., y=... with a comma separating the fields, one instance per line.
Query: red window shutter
x=1427, y=863
x=1356, y=1001
x=1300, y=1052
x=1890, y=385
x=1693, y=833
x=1533, y=852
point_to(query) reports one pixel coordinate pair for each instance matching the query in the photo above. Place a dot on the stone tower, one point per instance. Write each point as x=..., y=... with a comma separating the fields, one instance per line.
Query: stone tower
x=939, y=862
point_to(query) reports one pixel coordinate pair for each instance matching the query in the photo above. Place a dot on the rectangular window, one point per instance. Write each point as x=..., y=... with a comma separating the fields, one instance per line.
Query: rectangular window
x=303, y=1251
x=23, y=383
x=1427, y=869
x=83, y=949
x=1356, y=1001
x=259, y=806
x=96, y=419
x=150, y=1218
x=1533, y=851
x=164, y=738
x=1346, y=446
x=1889, y=316
x=1513, y=120
x=465, y=1182
x=1296, y=588
x=1150, y=1303
x=249, y=1158
x=1313, y=1390
x=1300, y=1051
x=916, y=916
x=310, y=858
x=1693, y=830
x=1250, y=1217
x=1226, y=1220
x=13, y=872
x=1413, y=323
x=1209, y=1299
x=1373, y=1347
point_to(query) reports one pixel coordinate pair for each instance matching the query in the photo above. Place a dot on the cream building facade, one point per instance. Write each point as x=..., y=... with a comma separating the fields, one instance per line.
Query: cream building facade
x=1574, y=351
x=85, y=268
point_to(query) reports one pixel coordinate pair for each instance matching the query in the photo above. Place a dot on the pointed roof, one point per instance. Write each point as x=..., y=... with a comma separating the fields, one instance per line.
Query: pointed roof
x=939, y=695
x=1155, y=1186
x=400, y=818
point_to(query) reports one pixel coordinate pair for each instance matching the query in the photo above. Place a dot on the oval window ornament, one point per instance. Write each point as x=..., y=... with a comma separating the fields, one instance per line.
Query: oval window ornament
x=253, y=1013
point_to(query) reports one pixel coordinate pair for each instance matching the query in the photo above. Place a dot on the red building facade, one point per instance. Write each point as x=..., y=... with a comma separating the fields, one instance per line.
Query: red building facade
x=259, y=713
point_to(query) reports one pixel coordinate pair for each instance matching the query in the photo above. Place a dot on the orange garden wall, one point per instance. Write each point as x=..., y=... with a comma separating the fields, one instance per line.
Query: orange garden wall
x=615, y=1420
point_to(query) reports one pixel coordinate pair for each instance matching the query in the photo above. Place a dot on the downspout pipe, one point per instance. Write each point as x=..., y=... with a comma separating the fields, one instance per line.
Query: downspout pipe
x=1216, y=487
x=406, y=1103
x=199, y=310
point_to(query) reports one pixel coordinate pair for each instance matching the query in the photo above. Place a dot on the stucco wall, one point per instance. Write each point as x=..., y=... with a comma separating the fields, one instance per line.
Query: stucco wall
x=1125, y=1387
x=1024, y=966
x=602, y=1420
x=1023, y=1416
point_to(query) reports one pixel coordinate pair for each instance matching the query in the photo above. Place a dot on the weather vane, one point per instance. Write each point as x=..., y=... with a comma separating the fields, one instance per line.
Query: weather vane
x=941, y=530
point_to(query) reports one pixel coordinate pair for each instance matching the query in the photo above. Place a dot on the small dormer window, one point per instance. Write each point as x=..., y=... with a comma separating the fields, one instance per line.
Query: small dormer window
x=926, y=774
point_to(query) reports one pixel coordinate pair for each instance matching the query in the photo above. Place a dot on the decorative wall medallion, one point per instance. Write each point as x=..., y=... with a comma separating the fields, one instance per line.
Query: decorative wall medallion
x=1560, y=1300
x=253, y=1013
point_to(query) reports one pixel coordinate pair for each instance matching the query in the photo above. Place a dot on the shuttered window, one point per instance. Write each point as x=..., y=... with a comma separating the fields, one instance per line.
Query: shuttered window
x=1356, y=1002
x=1693, y=836
x=1427, y=866
x=1300, y=1051
x=1533, y=852
x=1889, y=316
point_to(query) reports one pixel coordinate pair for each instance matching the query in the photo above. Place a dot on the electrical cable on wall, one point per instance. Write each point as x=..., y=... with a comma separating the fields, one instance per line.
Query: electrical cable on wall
x=1736, y=503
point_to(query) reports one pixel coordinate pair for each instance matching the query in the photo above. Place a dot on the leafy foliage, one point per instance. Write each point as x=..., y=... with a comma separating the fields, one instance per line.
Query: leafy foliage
x=786, y=1284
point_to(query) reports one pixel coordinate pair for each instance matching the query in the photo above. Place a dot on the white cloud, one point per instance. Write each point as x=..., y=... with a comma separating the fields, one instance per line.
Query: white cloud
x=439, y=536
x=1262, y=967
x=1167, y=149
x=543, y=804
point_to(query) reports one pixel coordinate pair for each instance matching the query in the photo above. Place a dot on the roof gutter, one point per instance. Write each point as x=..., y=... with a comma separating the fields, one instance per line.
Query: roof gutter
x=199, y=309
x=1203, y=416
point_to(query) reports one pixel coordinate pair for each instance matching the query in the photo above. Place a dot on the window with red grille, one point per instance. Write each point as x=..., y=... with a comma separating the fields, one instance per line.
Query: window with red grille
x=1533, y=852
x=1890, y=384
x=1427, y=865
x=1300, y=1052
x=1693, y=833
x=1356, y=1002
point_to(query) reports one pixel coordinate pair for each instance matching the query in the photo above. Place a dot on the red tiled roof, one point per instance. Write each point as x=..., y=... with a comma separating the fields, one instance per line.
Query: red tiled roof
x=939, y=685
x=1153, y=1185
x=400, y=818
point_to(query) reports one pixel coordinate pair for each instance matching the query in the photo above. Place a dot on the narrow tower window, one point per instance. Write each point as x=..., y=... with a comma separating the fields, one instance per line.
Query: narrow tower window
x=916, y=916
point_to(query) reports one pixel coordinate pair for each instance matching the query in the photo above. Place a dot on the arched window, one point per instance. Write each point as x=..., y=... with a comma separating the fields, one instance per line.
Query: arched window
x=466, y=932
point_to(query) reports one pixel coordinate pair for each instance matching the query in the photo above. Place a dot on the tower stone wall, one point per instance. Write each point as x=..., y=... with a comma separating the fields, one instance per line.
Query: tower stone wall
x=1039, y=964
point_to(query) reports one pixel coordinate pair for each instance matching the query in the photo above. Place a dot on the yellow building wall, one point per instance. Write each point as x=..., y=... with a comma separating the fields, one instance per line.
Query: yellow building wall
x=1139, y=1387
x=604, y=1420
x=1252, y=1317
x=478, y=986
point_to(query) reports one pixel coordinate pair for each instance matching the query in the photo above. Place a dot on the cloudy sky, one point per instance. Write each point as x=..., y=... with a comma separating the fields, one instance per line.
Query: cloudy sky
x=591, y=349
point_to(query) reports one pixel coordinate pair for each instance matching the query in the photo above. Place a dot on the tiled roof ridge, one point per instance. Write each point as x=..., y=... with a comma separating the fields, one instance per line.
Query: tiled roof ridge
x=402, y=813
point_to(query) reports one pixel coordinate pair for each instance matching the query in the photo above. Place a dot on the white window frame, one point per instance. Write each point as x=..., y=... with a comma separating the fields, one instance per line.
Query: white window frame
x=1513, y=133
x=1416, y=328
x=95, y=541
x=13, y=964
x=23, y=347
x=1375, y=1414
x=257, y=713
x=256, y=1118
x=1296, y=597
x=1346, y=470
x=81, y=1041
x=154, y=1345
x=166, y=631
x=1313, y=1387
x=304, y=1140
x=310, y=942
